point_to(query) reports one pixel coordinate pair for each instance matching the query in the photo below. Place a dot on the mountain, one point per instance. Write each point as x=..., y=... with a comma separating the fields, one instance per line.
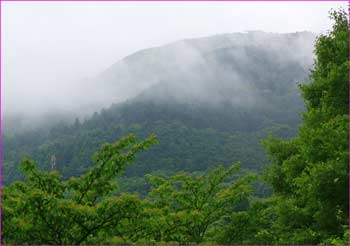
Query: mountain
x=227, y=66
x=209, y=100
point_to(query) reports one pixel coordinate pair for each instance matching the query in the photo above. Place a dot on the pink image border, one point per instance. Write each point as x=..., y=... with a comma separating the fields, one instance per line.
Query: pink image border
x=1, y=21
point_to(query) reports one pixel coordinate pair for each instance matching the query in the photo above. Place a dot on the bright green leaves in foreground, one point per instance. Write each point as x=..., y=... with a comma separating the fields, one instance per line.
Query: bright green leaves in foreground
x=45, y=210
x=182, y=209
x=190, y=206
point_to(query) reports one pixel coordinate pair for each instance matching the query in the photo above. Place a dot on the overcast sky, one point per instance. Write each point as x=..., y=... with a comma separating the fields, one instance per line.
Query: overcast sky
x=47, y=45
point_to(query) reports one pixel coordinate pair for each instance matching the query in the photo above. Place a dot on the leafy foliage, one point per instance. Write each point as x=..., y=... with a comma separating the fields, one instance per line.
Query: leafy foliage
x=43, y=209
x=190, y=206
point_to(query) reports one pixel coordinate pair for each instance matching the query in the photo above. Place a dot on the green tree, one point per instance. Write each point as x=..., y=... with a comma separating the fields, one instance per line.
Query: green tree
x=45, y=210
x=186, y=206
x=310, y=172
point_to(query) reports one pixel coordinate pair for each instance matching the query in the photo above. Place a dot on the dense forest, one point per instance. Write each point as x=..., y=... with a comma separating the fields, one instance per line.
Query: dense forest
x=205, y=172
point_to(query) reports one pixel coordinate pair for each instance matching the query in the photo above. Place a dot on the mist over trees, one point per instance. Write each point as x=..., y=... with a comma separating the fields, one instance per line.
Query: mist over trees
x=176, y=191
x=226, y=67
x=200, y=91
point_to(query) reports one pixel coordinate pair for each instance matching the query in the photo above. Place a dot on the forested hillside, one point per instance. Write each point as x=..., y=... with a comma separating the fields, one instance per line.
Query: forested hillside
x=185, y=195
x=227, y=93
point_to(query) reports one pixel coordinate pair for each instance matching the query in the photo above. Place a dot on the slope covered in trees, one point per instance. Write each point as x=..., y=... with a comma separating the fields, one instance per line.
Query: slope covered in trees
x=191, y=139
x=212, y=108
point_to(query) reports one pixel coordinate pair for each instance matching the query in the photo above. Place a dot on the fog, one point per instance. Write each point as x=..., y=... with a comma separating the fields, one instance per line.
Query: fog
x=68, y=58
x=220, y=68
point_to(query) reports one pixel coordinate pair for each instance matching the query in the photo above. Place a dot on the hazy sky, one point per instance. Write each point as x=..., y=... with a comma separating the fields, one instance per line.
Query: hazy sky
x=48, y=45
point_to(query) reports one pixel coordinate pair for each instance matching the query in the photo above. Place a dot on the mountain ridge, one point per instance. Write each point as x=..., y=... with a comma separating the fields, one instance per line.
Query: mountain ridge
x=134, y=74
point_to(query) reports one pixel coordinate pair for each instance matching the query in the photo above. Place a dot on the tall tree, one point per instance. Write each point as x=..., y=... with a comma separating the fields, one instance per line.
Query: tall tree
x=310, y=172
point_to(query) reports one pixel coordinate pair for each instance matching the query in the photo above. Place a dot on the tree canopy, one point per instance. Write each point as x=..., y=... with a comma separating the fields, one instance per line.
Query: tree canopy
x=309, y=173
